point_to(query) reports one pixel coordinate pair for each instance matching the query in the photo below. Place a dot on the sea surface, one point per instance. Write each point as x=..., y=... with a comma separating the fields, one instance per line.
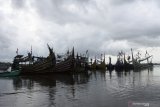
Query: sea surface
x=91, y=89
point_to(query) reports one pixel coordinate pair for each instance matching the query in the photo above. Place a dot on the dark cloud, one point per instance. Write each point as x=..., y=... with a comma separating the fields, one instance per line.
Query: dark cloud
x=121, y=2
x=62, y=11
x=18, y=3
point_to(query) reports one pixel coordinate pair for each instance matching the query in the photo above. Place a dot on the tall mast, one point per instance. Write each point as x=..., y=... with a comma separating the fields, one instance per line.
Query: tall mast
x=132, y=55
x=73, y=52
x=104, y=57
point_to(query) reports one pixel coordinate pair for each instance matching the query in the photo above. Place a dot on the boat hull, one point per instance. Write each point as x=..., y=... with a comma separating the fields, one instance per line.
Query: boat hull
x=141, y=66
x=10, y=74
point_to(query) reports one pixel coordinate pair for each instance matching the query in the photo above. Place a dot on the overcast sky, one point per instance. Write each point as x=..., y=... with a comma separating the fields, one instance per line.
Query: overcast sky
x=97, y=25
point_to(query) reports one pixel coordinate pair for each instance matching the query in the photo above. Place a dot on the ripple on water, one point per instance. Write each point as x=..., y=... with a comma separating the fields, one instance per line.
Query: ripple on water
x=100, y=89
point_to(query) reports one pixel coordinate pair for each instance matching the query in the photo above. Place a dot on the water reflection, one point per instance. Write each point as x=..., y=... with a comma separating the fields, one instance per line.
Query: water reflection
x=93, y=88
x=50, y=80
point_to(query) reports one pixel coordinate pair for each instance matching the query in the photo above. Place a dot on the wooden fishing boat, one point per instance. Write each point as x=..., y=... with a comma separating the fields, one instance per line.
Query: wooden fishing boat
x=71, y=64
x=127, y=64
x=81, y=63
x=65, y=66
x=110, y=66
x=119, y=66
x=37, y=65
x=102, y=65
x=122, y=63
x=93, y=65
x=137, y=62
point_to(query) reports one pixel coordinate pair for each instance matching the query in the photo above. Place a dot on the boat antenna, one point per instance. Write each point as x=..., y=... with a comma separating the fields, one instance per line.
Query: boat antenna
x=73, y=52
x=104, y=57
x=132, y=54
x=101, y=57
x=31, y=50
x=17, y=51
x=109, y=60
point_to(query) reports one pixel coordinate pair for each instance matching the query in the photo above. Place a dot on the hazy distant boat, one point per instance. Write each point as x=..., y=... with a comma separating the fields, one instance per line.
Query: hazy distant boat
x=121, y=63
x=98, y=64
x=137, y=62
x=101, y=66
x=93, y=65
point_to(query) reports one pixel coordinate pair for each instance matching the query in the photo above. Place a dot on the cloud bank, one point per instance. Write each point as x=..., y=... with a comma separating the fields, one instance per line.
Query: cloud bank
x=94, y=25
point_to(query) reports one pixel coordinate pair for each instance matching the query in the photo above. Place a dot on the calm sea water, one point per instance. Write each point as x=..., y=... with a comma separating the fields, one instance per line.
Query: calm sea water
x=91, y=89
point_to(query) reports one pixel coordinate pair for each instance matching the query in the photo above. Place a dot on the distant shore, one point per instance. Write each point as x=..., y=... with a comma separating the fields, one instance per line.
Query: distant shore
x=156, y=63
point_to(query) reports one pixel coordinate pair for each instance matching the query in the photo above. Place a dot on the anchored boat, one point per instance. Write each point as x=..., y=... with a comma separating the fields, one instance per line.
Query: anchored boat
x=137, y=61
x=15, y=70
x=10, y=74
x=36, y=65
